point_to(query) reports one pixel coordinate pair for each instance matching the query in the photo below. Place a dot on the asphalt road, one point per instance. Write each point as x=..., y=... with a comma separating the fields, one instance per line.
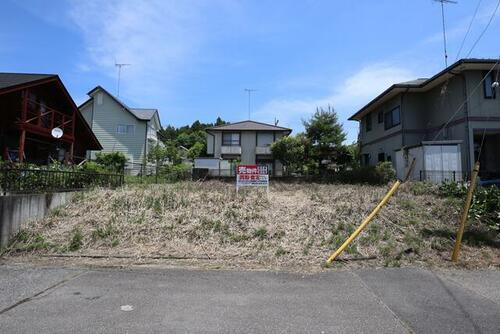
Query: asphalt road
x=58, y=300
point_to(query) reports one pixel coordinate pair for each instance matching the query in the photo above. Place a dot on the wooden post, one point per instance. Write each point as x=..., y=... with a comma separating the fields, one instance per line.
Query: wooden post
x=20, y=152
x=367, y=220
x=71, y=149
x=22, y=138
x=465, y=214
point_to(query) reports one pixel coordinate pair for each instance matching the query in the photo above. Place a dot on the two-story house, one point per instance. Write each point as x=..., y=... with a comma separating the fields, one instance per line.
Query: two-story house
x=447, y=115
x=247, y=142
x=32, y=107
x=119, y=128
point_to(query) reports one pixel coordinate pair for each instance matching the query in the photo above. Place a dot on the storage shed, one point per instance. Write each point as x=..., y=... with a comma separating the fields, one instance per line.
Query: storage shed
x=435, y=161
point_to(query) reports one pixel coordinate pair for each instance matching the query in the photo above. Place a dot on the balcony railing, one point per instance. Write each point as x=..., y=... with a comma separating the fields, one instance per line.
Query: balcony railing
x=263, y=150
x=230, y=150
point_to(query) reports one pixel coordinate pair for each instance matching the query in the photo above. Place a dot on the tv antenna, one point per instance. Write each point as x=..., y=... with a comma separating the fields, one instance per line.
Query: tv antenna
x=119, y=65
x=444, y=27
x=249, y=91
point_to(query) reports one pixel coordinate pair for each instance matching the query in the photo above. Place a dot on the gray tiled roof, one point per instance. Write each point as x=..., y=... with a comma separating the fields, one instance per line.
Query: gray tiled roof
x=14, y=79
x=415, y=82
x=143, y=114
x=248, y=126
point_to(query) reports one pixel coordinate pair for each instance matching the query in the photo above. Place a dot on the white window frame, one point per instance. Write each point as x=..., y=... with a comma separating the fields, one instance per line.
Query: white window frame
x=125, y=129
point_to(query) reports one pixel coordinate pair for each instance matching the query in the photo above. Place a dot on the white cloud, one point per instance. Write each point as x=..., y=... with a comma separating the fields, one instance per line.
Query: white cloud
x=159, y=38
x=350, y=95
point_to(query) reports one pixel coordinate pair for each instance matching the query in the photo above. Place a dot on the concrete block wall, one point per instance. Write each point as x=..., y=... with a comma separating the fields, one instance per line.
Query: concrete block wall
x=16, y=211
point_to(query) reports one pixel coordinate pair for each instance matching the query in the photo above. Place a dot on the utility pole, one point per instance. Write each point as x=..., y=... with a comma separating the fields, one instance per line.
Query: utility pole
x=444, y=28
x=249, y=91
x=119, y=75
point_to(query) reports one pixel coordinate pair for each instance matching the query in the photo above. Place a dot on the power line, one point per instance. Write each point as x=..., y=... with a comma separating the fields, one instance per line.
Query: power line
x=485, y=28
x=468, y=29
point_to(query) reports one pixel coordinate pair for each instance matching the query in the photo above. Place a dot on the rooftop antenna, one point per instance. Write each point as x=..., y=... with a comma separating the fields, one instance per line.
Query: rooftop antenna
x=444, y=28
x=249, y=91
x=119, y=65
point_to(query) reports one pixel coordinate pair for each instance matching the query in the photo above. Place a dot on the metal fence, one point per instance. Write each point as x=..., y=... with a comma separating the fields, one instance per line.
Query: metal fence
x=24, y=180
x=439, y=176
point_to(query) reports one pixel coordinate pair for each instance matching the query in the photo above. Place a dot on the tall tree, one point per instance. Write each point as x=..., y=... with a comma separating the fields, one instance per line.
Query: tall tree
x=290, y=151
x=326, y=136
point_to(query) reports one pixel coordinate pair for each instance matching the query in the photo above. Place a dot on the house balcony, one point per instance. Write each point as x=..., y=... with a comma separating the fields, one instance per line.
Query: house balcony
x=230, y=150
x=263, y=150
x=151, y=135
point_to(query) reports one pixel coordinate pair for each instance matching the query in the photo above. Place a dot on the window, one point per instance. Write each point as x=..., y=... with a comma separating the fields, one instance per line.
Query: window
x=99, y=98
x=230, y=139
x=392, y=118
x=264, y=139
x=366, y=159
x=368, y=122
x=389, y=158
x=123, y=129
x=380, y=117
x=381, y=157
x=489, y=91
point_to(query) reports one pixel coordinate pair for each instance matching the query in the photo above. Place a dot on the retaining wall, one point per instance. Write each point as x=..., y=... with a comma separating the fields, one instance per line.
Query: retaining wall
x=18, y=210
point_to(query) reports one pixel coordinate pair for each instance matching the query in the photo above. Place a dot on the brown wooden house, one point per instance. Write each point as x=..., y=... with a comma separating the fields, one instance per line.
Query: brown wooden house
x=31, y=106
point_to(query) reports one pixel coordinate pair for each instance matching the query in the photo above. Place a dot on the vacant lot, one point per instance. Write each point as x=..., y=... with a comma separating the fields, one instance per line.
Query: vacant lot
x=296, y=225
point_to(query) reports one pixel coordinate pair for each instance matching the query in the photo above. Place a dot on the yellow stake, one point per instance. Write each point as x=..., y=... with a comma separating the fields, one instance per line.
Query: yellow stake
x=465, y=214
x=365, y=222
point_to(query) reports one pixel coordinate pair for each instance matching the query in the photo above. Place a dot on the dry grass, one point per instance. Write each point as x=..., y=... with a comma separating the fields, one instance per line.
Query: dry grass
x=297, y=225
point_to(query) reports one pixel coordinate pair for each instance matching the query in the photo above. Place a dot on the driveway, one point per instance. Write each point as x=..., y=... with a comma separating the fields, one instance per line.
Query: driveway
x=403, y=300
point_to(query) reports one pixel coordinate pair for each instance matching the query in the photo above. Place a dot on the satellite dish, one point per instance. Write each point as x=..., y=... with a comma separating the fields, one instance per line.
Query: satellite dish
x=57, y=133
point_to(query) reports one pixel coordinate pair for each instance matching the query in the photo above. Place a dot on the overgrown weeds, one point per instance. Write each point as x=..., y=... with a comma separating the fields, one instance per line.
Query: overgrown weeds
x=298, y=224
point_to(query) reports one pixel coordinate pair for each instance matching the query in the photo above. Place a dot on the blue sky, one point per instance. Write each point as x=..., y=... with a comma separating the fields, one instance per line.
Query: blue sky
x=193, y=59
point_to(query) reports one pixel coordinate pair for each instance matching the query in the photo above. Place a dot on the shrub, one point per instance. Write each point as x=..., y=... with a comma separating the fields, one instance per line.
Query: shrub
x=175, y=172
x=115, y=160
x=381, y=174
x=485, y=204
x=486, y=207
x=93, y=167
x=453, y=189
x=385, y=171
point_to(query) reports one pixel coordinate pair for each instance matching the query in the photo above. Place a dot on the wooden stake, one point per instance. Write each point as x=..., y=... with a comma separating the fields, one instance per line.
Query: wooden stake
x=465, y=214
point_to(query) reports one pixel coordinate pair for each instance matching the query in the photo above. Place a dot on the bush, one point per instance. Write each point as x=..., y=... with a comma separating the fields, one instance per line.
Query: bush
x=381, y=174
x=114, y=161
x=92, y=167
x=385, y=171
x=485, y=206
x=176, y=172
x=453, y=189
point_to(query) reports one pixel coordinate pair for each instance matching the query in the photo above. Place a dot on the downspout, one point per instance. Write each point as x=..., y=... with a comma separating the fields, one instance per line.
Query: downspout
x=91, y=125
x=467, y=127
x=401, y=108
x=213, y=142
x=145, y=149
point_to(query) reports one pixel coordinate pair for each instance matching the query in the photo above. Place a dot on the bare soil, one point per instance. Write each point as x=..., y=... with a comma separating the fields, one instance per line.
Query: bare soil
x=295, y=226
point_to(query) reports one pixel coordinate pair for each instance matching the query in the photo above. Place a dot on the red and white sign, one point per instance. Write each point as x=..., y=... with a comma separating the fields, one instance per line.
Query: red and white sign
x=251, y=176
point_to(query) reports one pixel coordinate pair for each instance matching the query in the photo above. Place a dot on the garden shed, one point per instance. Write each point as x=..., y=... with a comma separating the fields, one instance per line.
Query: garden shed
x=435, y=161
